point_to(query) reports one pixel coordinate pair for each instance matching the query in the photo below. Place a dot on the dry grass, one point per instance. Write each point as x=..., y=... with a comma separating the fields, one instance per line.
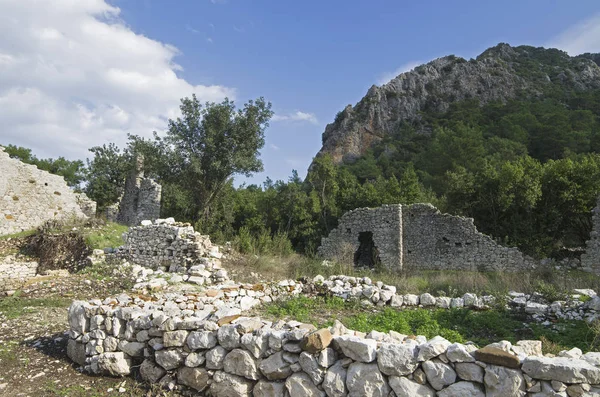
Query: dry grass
x=550, y=282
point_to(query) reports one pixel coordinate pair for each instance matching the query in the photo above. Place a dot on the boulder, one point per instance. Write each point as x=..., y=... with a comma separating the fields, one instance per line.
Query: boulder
x=396, y=359
x=469, y=371
x=358, y=349
x=114, y=363
x=196, y=378
x=366, y=380
x=228, y=385
x=299, y=384
x=439, y=375
x=316, y=341
x=404, y=387
x=462, y=389
x=334, y=382
x=502, y=381
x=275, y=367
x=150, y=372
x=563, y=369
x=169, y=359
x=269, y=389
x=459, y=353
x=215, y=357
x=241, y=362
x=432, y=348
x=202, y=340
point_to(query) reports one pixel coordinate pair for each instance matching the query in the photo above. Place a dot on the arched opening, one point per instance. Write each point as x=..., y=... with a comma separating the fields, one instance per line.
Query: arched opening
x=367, y=254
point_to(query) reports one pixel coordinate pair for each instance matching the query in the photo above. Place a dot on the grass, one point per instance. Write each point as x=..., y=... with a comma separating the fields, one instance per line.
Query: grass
x=15, y=306
x=25, y=233
x=456, y=325
x=107, y=236
x=553, y=284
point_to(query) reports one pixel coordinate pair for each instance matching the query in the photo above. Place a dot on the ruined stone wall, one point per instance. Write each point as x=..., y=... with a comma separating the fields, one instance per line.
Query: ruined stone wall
x=141, y=197
x=436, y=241
x=418, y=236
x=174, y=343
x=590, y=260
x=29, y=196
x=14, y=272
x=165, y=245
x=384, y=222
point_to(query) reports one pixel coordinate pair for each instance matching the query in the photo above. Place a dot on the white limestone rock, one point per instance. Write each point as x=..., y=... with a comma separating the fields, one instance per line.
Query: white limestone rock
x=366, y=380
x=563, y=369
x=196, y=378
x=150, y=372
x=439, y=375
x=215, y=357
x=241, y=362
x=114, y=363
x=470, y=371
x=269, y=389
x=502, y=381
x=462, y=389
x=202, y=340
x=310, y=365
x=404, y=387
x=427, y=299
x=275, y=367
x=459, y=353
x=397, y=359
x=334, y=382
x=432, y=348
x=228, y=385
x=358, y=349
x=299, y=384
x=169, y=359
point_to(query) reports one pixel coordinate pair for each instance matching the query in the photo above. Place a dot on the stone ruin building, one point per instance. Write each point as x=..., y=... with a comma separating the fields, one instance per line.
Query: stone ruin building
x=404, y=237
x=590, y=259
x=29, y=197
x=140, y=200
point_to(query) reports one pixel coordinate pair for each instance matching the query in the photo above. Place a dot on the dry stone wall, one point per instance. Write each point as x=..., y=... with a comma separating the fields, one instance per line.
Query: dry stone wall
x=436, y=241
x=166, y=245
x=385, y=225
x=29, y=197
x=248, y=356
x=418, y=236
x=15, y=272
x=590, y=259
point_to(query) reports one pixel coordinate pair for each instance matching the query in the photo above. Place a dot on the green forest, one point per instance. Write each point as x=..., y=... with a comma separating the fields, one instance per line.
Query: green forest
x=527, y=171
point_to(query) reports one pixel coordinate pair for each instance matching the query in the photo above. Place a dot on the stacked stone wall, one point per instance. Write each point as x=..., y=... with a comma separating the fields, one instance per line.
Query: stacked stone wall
x=590, y=259
x=418, y=236
x=384, y=222
x=166, y=245
x=14, y=272
x=176, y=344
x=29, y=197
x=436, y=241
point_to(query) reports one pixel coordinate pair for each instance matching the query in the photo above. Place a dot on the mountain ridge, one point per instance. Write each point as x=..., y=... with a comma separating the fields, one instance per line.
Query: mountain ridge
x=499, y=73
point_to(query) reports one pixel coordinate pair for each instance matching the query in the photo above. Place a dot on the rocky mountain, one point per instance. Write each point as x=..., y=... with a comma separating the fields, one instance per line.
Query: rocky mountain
x=500, y=73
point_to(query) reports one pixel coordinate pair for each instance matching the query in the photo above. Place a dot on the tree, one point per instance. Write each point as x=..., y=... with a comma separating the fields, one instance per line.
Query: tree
x=106, y=174
x=211, y=143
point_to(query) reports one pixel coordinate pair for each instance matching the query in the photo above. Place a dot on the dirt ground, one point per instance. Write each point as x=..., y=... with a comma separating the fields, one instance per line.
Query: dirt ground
x=33, y=344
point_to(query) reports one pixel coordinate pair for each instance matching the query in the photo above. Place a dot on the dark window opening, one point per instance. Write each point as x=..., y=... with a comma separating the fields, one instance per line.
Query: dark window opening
x=458, y=244
x=367, y=254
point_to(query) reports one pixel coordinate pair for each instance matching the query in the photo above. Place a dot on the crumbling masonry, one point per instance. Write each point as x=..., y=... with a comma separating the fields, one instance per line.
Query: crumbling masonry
x=29, y=197
x=418, y=236
x=141, y=198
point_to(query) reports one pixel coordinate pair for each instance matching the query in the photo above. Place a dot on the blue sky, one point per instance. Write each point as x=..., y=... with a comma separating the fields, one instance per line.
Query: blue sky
x=309, y=58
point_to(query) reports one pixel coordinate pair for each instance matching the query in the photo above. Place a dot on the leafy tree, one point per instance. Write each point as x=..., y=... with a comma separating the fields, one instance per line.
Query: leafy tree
x=106, y=174
x=211, y=143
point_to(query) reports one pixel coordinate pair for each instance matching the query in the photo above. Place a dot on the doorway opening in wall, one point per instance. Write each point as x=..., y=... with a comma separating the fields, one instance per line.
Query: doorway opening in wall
x=367, y=254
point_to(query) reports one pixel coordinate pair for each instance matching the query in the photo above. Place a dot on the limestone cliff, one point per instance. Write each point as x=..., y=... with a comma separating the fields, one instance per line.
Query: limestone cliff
x=498, y=74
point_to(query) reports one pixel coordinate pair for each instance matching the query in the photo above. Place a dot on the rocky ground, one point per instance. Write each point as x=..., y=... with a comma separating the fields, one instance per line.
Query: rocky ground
x=33, y=347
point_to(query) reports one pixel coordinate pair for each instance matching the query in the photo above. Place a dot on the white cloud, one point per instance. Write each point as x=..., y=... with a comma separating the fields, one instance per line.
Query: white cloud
x=72, y=76
x=579, y=38
x=297, y=116
x=209, y=40
x=191, y=29
x=386, y=77
x=273, y=147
